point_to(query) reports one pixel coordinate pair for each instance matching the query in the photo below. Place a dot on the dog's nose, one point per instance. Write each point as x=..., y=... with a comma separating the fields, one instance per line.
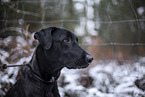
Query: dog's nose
x=89, y=59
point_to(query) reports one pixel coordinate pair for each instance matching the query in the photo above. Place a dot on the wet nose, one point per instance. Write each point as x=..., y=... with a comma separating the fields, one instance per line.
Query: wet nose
x=89, y=59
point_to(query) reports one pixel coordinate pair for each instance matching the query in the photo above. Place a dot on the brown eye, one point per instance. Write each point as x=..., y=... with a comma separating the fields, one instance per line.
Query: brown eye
x=67, y=40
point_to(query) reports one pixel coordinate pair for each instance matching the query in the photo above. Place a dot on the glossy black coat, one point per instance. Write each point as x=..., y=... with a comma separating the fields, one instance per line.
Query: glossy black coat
x=57, y=48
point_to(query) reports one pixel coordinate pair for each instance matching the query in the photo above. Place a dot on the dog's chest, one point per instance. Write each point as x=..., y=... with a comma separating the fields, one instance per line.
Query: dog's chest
x=34, y=87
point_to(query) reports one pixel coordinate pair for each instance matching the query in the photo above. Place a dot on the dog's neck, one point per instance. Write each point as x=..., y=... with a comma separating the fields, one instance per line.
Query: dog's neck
x=40, y=66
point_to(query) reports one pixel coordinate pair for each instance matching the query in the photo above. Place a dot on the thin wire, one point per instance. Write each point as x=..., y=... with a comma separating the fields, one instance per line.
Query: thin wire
x=62, y=11
x=130, y=2
x=36, y=1
x=114, y=44
x=62, y=20
x=4, y=18
x=110, y=24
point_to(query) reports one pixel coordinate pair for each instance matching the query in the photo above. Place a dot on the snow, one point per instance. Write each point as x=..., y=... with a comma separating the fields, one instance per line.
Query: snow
x=79, y=7
x=21, y=41
x=140, y=10
x=6, y=1
x=80, y=30
x=3, y=55
x=9, y=75
x=110, y=80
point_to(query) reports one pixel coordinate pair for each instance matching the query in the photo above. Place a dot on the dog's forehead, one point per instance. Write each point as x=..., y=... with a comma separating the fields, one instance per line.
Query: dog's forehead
x=62, y=33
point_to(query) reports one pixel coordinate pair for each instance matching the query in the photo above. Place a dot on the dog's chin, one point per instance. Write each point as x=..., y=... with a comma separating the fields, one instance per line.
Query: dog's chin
x=77, y=66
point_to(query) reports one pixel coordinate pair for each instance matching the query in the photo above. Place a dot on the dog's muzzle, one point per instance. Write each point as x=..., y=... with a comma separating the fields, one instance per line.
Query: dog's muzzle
x=78, y=63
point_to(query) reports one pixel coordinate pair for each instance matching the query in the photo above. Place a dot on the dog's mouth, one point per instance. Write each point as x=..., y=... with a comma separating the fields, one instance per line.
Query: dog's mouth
x=78, y=64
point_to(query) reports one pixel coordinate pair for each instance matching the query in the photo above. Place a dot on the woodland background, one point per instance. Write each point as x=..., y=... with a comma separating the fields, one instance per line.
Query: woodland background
x=112, y=31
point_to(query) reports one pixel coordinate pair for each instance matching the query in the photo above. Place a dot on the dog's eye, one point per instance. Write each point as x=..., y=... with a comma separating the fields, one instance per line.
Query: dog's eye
x=67, y=40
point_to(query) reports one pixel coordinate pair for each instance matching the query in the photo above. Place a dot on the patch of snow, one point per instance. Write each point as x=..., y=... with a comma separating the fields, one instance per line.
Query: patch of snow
x=3, y=56
x=21, y=41
x=6, y=1
x=140, y=10
x=79, y=7
x=110, y=80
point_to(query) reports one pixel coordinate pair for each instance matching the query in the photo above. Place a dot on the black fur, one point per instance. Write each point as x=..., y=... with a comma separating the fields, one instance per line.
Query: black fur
x=57, y=48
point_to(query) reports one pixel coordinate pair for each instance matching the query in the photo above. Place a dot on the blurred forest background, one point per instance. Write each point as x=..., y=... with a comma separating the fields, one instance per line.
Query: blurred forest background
x=110, y=30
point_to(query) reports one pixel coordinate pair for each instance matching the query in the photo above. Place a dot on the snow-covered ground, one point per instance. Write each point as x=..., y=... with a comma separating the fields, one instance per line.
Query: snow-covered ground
x=109, y=80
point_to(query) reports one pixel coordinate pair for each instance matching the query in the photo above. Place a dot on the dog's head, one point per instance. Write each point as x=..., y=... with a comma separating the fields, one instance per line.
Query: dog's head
x=61, y=45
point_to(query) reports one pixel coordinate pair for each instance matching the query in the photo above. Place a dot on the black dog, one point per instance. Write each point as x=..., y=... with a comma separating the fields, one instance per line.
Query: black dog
x=57, y=48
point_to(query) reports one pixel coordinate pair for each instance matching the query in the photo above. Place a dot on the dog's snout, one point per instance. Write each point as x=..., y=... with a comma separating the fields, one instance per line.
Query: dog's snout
x=89, y=59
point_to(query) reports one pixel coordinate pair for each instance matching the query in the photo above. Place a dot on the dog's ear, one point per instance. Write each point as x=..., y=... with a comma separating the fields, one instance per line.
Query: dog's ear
x=44, y=37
